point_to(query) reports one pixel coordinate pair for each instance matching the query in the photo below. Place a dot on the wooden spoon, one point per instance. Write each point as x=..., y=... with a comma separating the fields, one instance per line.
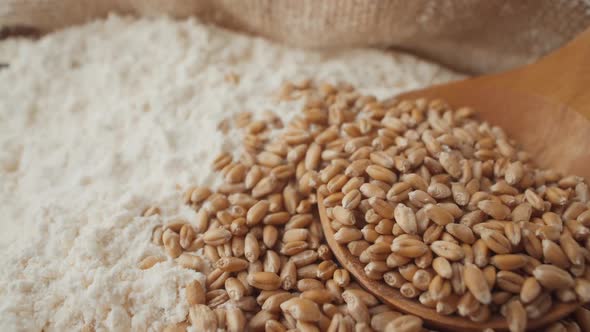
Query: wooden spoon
x=546, y=108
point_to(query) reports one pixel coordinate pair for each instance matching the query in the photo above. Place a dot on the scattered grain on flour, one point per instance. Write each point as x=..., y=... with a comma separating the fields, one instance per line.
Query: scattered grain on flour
x=100, y=121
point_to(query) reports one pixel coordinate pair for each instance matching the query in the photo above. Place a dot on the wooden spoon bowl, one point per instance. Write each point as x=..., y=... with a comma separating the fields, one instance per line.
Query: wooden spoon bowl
x=545, y=107
x=433, y=319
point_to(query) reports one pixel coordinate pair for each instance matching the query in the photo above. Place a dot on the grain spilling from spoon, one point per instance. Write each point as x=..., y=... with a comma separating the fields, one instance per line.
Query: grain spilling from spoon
x=432, y=202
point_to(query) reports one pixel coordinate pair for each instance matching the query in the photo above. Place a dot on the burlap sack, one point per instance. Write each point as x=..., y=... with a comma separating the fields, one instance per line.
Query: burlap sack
x=470, y=35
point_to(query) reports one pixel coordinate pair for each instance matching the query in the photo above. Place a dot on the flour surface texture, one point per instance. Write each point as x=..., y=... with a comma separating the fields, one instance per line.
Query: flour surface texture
x=100, y=121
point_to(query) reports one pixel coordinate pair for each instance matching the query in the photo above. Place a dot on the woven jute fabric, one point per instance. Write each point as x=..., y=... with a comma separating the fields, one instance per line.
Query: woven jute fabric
x=470, y=35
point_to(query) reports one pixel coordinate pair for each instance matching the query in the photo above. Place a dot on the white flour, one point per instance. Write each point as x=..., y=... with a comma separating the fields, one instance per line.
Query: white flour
x=97, y=122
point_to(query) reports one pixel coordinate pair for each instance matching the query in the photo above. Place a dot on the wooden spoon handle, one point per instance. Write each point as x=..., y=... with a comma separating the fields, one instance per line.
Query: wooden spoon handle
x=562, y=76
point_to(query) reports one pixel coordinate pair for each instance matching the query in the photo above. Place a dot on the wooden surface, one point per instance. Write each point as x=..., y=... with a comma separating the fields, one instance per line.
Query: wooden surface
x=432, y=319
x=545, y=107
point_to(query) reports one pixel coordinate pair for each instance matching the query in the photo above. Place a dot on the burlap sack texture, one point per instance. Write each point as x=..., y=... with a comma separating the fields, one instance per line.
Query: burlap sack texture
x=470, y=35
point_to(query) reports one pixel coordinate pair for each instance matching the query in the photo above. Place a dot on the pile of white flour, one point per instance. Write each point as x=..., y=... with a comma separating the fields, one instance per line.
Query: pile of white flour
x=98, y=122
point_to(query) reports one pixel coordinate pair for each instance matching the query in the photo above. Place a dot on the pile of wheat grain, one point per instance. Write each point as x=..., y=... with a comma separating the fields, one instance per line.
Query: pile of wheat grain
x=431, y=201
